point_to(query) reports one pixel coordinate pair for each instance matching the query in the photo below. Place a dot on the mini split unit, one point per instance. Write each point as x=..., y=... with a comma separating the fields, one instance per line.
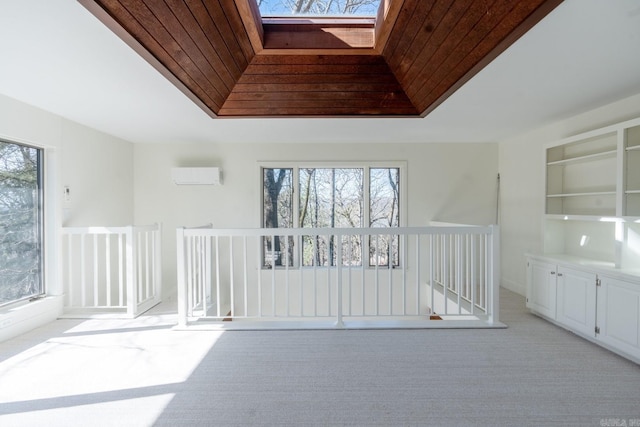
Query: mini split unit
x=196, y=176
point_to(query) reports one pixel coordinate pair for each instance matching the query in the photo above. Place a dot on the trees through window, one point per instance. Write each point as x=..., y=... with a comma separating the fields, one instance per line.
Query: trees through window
x=20, y=222
x=350, y=197
x=318, y=7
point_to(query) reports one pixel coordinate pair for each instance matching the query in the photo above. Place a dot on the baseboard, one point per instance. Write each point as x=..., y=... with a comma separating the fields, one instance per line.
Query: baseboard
x=19, y=318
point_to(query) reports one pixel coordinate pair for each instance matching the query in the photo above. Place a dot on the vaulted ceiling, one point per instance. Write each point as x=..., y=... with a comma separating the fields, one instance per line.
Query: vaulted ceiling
x=233, y=63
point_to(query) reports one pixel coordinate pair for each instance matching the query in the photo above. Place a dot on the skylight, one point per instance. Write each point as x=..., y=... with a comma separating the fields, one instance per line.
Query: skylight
x=318, y=8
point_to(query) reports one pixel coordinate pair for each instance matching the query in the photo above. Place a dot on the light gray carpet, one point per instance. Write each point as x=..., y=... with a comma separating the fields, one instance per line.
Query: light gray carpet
x=532, y=373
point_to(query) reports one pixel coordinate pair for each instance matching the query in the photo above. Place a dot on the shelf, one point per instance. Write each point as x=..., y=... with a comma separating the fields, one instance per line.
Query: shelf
x=595, y=193
x=593, y=218
x=592, y=203
x=585, y=158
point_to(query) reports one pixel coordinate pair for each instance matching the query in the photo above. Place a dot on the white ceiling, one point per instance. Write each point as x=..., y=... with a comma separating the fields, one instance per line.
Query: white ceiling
x=55, y=55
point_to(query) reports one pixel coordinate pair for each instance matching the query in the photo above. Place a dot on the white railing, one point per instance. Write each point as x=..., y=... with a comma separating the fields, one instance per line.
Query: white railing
x=448, y=273
x=111, y=269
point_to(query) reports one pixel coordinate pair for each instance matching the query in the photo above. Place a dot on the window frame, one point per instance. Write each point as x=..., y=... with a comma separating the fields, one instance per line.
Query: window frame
x=295, y=166
x=41, y=172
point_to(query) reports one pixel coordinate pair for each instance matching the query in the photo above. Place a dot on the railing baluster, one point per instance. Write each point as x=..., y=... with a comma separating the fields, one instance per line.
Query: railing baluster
x=260, y=255
x=301, y=278
x=273, y=275
x=329, y=262
x=286, y=276
x=402, y=258
x=486, y=271
x=445, y=261
x=315, y=276
x=432, y=264
x=190, y=269
x=147, y=265
x=473, y=255
x=458, y=264
x=83, y=271
x=390, y=269
x=107, y=250
x=350, y=261
x=231, y=277
x=339, y=323
x=245, y=275
x=418, y=272
x=205, y=249
x=71, y=255
x=218, y=301
x=377, y=290
x=95, y=271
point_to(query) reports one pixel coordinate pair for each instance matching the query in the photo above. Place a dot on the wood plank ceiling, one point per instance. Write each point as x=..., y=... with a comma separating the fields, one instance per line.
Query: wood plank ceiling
x=406, y=62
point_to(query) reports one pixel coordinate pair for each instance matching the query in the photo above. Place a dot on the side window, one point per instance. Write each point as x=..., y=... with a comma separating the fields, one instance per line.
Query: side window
x=20, y=222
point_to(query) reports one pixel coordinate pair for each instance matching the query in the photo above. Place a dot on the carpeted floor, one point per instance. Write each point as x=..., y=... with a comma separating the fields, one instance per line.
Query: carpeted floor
x=140, y=372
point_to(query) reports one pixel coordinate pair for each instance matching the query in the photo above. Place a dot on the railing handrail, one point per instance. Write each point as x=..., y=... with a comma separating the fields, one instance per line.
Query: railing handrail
x=109, y=229
x=257, y=232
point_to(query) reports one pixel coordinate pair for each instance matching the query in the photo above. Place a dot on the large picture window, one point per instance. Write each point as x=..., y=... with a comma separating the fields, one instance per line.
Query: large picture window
x=20, y=222
x=331, y=197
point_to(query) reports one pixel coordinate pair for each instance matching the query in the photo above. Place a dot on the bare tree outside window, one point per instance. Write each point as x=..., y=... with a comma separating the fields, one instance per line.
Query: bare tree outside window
x=384, y=212
x=20, y=223
x=332, y=198
x=278, y=213
x=318, y=7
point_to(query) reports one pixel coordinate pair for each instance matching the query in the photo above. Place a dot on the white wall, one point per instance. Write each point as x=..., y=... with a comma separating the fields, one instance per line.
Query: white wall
x=97, y=167
x=522, y=179
x=449, y=182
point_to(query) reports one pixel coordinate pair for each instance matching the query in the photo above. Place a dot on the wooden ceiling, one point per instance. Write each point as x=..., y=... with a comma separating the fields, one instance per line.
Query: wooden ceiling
x=406, y=62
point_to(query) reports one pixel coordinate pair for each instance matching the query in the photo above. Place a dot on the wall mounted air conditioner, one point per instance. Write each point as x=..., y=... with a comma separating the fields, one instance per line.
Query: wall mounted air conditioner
x=196, y=176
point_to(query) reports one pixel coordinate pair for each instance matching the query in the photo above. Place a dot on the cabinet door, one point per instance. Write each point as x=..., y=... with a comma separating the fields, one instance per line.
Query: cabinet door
x=619, y=315
x=576, y=300
x=541, y=288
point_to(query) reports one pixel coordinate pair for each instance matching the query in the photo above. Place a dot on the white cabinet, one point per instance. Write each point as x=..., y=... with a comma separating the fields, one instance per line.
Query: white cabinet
x=598, y=303
x=541, y=288
x=563, y=294
x=576, y=300
x=619, y=315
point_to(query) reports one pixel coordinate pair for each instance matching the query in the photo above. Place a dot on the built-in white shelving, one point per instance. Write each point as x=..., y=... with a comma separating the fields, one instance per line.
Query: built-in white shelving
x=588, y=277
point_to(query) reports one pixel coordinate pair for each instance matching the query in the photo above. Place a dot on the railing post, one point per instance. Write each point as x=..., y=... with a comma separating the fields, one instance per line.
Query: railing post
x=132, y=273
x=494, y=285
x=181, y=273
x=339, y=323
x=157, y=262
